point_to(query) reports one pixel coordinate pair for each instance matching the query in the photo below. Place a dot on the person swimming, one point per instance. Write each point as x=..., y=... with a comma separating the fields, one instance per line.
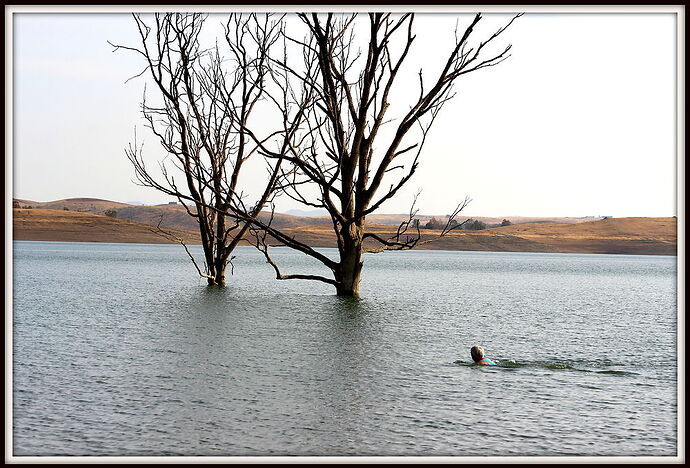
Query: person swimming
x=477, y=353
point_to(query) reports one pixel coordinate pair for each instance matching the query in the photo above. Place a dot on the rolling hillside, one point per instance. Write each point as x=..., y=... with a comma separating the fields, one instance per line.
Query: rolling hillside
x=170, y=216
x=174, y=216
x=645, y=236
x=71, y=226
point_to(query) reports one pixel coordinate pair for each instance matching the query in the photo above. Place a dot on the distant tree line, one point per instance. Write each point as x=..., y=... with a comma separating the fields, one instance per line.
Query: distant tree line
x=467, y=225
x=16, y=204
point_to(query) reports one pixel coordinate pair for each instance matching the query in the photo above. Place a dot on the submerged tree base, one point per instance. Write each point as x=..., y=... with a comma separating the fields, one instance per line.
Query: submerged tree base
x=347, y=293
x=348, y=290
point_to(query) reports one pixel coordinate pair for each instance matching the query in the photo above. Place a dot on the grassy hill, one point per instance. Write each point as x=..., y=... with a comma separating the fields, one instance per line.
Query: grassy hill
x=645, y=236
x=174, y=216
x=72, y=226
x=637, y=236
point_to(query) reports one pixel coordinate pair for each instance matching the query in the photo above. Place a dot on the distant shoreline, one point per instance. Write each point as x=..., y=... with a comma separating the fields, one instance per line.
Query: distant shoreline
x=633, y=236
x=246, y=244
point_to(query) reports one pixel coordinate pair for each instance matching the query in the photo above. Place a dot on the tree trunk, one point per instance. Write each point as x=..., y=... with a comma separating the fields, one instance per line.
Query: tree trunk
x=217, y=276
x=216, y=263
x=217, y=270
x=218, y=279
x=349, y=270
x=220, y=260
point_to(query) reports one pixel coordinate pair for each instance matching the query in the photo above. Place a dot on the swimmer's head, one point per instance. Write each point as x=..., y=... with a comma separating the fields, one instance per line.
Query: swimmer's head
x=477, y=353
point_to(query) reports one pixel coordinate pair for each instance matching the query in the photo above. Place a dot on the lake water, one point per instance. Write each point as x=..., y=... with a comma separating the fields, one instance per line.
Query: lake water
x=120, y=350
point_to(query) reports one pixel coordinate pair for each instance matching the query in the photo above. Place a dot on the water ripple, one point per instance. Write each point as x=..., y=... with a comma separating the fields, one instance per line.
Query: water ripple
x=137, y=362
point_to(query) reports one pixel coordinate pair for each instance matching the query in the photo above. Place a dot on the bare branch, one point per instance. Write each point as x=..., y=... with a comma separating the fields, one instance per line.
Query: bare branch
x=172, y=237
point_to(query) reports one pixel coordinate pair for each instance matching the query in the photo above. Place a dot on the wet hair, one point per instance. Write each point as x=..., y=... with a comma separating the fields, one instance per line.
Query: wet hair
x=477, y=353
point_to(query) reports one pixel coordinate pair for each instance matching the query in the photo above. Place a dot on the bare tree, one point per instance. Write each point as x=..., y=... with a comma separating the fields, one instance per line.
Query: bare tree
x=344, y=155
x=205, y=104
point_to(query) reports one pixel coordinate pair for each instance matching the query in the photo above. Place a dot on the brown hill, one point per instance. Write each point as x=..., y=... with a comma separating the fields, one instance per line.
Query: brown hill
x=174, y=216
x=72, y=226
x=648, y=236
x=613, y=235
x=637, y=236
x=170, y=216
x=86, y=205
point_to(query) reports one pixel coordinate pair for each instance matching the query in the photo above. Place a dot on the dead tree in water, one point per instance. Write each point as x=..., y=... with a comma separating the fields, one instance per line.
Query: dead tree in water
x=353, y=167
x=204, y=103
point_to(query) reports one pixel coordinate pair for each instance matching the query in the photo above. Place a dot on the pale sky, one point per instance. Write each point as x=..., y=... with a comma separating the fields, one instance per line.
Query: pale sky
x=579, y=121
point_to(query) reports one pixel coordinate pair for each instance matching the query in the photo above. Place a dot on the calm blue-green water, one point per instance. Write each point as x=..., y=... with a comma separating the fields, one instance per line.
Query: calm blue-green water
x=119, y=349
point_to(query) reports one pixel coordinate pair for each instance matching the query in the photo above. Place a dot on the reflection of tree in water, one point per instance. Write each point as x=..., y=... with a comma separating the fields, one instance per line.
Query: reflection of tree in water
x=345, y=385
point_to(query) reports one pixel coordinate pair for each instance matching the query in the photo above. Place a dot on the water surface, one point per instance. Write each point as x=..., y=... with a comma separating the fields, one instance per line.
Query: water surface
x=118, y=349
